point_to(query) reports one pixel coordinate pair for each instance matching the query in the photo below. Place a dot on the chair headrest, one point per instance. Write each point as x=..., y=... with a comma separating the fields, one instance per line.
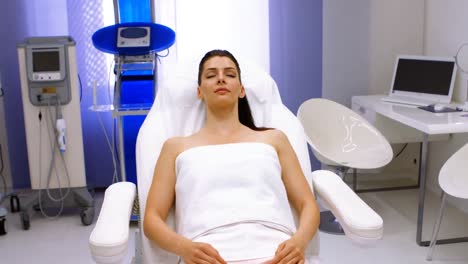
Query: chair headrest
x=177, y=95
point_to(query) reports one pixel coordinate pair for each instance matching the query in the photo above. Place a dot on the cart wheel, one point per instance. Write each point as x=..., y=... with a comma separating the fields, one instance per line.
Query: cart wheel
x=14, y=204
x=3, y=230
x=25, y=220
x=36, y=207
x=87, y=215
x=3, y=214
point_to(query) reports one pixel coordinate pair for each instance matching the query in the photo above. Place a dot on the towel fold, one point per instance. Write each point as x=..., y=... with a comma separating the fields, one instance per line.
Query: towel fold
x=219, y=185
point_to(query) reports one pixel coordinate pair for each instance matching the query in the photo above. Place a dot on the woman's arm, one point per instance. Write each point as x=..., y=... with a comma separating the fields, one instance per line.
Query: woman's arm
x=161, y=197
x=299, y=195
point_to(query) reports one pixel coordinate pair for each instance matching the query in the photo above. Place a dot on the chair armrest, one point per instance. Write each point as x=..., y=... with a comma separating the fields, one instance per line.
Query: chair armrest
x=359, y=222
x=108, y=241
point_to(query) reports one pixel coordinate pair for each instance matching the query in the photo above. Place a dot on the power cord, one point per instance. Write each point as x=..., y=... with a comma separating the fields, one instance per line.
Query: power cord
x=108, y=141
x=401, y=151
x=1, y=172
x=81, y=88
x=2, y=177
x=52, y=165
x=111, y=147
x=58, y=115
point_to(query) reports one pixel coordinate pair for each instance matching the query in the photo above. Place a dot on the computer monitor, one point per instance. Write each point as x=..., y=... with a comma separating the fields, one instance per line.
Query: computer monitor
x=424, y=77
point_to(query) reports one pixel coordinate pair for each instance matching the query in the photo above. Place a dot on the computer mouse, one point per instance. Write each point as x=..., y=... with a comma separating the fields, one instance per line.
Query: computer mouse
x=438, y=107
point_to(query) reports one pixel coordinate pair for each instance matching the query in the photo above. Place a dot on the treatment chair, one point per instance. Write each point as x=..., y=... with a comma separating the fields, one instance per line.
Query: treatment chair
x=342, y=140
x=178, y=112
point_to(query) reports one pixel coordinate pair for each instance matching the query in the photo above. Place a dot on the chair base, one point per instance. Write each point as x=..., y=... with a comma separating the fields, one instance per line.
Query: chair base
x=329, y=224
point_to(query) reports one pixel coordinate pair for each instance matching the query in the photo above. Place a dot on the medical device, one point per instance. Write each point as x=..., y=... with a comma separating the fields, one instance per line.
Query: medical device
x=134, y=46
x=47, y=73
x=133, y=36
x=52, y=119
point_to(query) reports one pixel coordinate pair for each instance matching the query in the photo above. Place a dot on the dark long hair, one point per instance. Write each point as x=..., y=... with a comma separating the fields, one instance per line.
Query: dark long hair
x=245, y=115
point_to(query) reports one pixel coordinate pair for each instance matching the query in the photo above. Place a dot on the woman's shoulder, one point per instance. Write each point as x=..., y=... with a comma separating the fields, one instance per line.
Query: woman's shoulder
x=174, y=145
x=272, y=133
x=274, y=137
x=177, y=145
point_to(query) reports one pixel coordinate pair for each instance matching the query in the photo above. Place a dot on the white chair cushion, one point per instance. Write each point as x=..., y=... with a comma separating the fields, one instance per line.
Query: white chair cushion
x=109, y=238
x=360, y=222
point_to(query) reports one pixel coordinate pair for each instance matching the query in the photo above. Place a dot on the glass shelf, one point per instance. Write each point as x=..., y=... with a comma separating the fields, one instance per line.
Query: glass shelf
x=124, y=110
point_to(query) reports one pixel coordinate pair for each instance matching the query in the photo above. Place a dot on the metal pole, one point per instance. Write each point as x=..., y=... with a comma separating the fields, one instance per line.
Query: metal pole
x=422, y=188
x=152, y=11
x=435, y=232
x=116, y=11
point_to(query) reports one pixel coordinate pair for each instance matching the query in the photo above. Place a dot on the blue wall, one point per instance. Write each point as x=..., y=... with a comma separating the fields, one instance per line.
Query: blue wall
x=296, y=51
x=14, y=29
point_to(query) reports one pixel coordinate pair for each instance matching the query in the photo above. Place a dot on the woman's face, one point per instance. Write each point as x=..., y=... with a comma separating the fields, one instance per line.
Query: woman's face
x=220, y=81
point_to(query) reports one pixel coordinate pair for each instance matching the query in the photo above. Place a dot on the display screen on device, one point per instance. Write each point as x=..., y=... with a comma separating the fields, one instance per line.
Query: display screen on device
x=424, y=76
x=46, y=61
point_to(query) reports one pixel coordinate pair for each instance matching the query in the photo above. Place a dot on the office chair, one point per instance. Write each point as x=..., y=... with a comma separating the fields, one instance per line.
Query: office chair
x=341, y=139
x=453, y=181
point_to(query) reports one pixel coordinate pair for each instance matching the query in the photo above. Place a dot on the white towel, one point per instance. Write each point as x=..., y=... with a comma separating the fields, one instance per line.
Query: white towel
x=219, y=185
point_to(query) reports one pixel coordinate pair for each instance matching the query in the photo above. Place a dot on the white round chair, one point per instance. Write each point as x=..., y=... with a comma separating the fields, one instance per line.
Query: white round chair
x=453, y=180
x=342, y=139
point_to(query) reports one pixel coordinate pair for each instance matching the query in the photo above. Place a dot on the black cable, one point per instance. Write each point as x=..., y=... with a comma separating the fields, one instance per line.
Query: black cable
x=81, y=87
x=1, y=171
x=163, y=56
x=399, y=153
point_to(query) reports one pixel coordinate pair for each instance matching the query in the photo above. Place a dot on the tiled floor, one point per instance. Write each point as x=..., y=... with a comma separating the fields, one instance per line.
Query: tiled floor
x=64, y=240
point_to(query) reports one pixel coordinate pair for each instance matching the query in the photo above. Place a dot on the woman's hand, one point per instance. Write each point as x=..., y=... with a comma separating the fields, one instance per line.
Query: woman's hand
x=289, y=252
x=201, y=253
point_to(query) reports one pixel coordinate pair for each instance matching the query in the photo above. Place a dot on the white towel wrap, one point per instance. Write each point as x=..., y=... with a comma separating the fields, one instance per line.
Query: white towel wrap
x=219, y=185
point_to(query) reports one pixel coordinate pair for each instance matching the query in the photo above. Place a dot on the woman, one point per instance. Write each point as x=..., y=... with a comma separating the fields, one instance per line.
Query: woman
x=231, y=183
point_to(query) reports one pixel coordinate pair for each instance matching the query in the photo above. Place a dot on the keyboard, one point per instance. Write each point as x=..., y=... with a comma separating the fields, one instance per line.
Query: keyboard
x=407, y=100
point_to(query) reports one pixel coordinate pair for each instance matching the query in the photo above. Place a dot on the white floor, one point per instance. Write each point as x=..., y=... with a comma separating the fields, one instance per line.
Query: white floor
x=64, y=240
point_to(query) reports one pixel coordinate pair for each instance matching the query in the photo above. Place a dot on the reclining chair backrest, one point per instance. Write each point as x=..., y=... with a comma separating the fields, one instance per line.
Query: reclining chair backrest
x=178, y=112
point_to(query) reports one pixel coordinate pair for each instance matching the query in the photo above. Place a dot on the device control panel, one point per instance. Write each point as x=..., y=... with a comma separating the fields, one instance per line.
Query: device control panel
x=131, y=37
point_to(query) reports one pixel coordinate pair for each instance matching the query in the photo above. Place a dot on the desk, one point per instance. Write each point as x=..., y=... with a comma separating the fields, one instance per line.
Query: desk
x=429, y=124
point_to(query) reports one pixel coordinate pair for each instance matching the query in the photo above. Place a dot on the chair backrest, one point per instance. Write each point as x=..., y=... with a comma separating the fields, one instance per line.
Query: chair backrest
x=453, y=177
x=340, y=137
x=178, y=112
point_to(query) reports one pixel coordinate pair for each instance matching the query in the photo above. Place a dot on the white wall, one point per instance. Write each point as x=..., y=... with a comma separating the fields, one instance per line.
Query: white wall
x=446, y=30
x=396, y=27
x=240, y=26
x=47, y=18
x=361, y=39
x=345, y=62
